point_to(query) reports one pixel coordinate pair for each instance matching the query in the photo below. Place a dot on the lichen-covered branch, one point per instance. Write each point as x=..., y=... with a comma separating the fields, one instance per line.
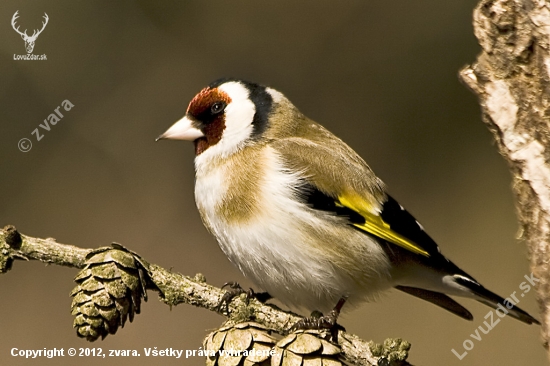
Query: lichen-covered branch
x=511, y=77
x=175, y=289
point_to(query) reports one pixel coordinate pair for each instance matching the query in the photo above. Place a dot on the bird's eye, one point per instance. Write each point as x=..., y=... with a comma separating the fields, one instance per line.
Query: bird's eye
x=217, y=108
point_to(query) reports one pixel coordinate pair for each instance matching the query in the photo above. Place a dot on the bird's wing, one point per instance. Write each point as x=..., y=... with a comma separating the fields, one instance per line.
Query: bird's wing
x=338, y=180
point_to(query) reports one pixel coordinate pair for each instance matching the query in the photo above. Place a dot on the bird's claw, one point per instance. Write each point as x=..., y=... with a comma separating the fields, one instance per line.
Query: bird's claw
x=235, y=290
x=324, y=322
x=318, y=321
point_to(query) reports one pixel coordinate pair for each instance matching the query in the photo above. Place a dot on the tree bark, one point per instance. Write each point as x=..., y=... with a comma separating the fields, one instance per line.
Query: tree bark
x=511, y=78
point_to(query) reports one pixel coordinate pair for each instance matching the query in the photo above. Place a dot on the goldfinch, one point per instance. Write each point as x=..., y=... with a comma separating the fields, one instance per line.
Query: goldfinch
x=302, y=215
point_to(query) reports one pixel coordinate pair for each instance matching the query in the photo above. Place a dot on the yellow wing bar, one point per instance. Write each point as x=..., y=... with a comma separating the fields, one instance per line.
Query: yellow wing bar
x=375, y=225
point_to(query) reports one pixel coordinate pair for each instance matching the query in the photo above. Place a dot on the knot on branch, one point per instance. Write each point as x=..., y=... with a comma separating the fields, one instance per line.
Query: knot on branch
x=12, y=241
x=13, y=238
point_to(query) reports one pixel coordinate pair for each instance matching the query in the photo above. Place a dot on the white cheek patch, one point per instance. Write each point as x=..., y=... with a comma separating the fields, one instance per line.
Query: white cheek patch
x=239, y=115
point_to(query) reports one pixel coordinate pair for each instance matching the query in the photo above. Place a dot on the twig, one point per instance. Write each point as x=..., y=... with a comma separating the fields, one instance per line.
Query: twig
x=175, y=289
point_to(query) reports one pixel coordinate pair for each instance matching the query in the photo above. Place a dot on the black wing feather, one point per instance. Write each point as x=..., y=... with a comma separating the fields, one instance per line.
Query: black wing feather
x=403, y=223
x=320, y=201
x=399, y=219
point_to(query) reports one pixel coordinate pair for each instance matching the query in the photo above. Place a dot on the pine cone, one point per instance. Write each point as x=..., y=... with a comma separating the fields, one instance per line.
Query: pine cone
x=243, y=344
x=305, y=348
x=109, y=290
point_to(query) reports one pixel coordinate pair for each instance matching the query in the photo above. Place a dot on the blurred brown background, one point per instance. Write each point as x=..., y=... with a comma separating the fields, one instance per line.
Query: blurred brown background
x=381, y=75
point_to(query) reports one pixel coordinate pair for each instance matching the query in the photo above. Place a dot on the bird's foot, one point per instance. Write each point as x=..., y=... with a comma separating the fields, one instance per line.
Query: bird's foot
x=318, y=321
x=235, y=290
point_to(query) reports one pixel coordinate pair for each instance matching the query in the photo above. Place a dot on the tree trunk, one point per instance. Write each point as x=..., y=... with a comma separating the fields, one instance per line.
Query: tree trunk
x=511, y=78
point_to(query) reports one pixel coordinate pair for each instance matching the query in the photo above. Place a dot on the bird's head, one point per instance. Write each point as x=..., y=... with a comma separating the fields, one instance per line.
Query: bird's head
x=225, y=116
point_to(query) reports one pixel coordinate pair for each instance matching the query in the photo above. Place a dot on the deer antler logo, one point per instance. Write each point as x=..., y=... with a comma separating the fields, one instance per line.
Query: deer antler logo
x=29, y=40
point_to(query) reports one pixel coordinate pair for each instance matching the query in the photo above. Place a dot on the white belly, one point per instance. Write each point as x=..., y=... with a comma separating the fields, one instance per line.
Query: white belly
x=302, y=257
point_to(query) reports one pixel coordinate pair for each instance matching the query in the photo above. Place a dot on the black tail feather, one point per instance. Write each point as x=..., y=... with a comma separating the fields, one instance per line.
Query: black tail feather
x=438, y=299
x=491, y=299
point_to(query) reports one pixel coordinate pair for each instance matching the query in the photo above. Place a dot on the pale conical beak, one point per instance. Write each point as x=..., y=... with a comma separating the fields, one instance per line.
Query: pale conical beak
x=181, y=130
